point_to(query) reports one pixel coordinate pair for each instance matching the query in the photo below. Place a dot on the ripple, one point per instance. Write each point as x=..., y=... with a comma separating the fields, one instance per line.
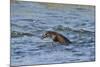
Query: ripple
x=63, y=28
x=30, y=20
x=82, y=9
x=33, y=49
x=15, y=34
x=79, y=54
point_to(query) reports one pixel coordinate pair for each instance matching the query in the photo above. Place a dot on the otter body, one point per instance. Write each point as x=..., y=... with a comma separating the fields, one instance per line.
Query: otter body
x=56, y=37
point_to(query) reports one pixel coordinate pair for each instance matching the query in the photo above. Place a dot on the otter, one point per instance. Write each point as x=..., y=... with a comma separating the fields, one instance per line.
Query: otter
x=56, y=37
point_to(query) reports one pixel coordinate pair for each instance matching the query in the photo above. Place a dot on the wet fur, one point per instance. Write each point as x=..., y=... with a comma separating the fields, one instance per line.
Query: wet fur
x=57, y=37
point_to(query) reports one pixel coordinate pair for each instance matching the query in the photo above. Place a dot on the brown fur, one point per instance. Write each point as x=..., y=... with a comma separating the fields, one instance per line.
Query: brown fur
x=56, y=37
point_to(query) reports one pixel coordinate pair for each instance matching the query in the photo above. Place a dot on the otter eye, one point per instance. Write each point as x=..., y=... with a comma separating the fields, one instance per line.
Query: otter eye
x=48, y=34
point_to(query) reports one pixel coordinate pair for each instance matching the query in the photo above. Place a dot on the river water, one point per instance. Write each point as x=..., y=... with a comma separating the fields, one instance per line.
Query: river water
x=29, y=20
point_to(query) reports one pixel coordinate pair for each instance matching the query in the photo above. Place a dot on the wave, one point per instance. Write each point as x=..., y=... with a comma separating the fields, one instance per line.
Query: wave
x=20, y=34
x=80, y=30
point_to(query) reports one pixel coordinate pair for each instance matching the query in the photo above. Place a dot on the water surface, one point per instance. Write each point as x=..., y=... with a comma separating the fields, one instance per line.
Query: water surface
x=29, y=20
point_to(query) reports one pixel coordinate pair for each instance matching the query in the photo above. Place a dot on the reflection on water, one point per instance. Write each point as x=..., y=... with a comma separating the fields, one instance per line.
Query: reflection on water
x=30, y=20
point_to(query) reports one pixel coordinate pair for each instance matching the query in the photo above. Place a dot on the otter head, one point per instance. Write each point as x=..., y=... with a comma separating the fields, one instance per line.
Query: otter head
x=48, y=34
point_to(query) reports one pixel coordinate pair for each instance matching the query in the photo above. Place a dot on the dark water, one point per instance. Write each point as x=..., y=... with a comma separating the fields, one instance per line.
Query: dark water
x=30, y=20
